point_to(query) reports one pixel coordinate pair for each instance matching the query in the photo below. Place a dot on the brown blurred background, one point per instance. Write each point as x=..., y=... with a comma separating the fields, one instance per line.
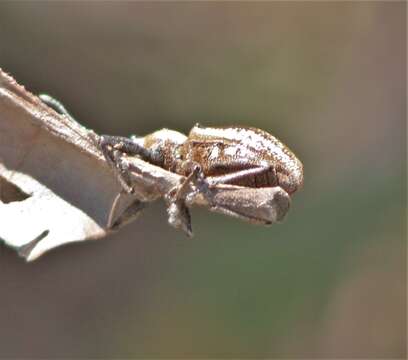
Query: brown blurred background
x=326, y=78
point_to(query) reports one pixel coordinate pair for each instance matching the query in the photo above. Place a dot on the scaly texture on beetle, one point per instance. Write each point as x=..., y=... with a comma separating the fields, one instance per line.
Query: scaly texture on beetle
x=220, y=151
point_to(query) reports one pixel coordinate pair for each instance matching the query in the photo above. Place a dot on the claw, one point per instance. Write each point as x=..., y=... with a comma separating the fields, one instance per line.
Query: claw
x=179, y=217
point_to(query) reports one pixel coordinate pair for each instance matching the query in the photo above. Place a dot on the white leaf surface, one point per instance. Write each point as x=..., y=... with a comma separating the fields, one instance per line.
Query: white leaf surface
x=69, y=190
x=43, y=220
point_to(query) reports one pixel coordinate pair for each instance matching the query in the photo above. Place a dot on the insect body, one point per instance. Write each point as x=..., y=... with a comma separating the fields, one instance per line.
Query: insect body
x=240, y=156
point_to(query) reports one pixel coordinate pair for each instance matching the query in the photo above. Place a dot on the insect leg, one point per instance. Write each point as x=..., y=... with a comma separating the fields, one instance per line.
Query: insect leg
x=255, y=205
x=113, y=159
x=179, y=214
x=127, y=215
x=127, y=146
x=112, y=147
x=57, y=106
x=193, y=178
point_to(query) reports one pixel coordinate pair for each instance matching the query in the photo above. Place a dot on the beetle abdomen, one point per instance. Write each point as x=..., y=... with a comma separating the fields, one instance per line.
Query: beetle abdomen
x=222, y=151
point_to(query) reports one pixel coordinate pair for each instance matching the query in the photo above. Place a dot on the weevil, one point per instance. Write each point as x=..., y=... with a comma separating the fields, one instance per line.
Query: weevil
x=239, y=171
x=209, y=157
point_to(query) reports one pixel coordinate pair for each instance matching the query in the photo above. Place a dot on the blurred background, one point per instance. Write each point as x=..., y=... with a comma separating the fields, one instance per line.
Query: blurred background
x=329, y=79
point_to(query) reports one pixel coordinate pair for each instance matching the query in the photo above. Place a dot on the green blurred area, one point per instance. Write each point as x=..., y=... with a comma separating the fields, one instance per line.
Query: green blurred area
x=326, y=78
